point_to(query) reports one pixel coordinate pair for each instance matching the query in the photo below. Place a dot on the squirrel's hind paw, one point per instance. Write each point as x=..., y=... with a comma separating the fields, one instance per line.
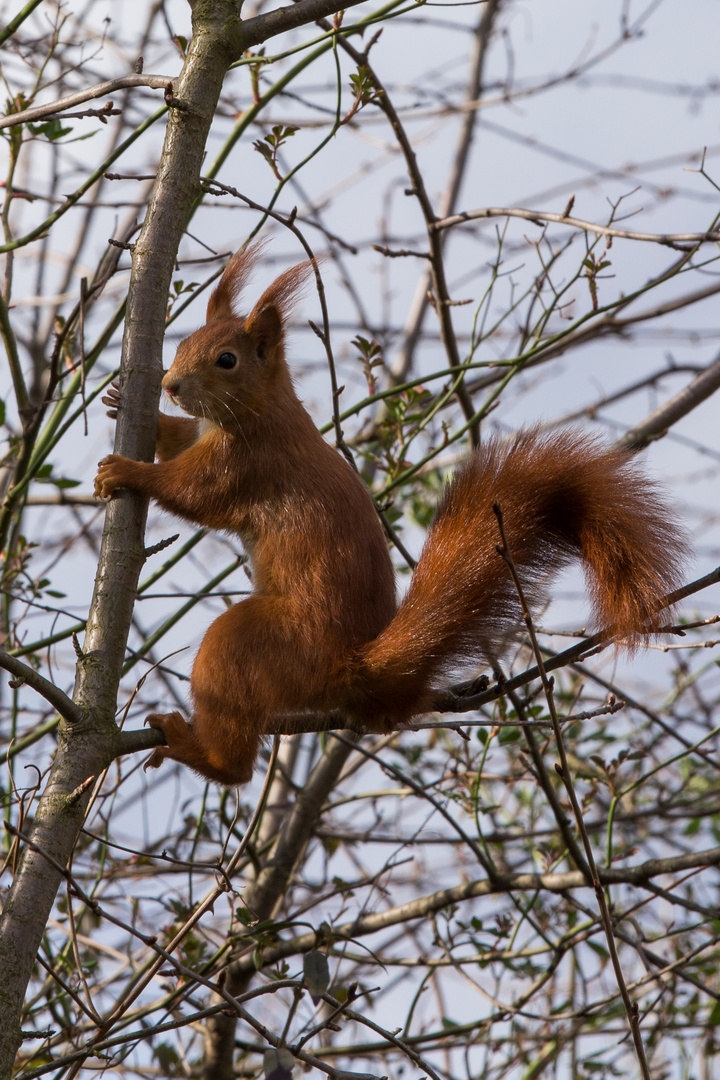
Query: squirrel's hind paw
x=175, y=730
x=179, y=736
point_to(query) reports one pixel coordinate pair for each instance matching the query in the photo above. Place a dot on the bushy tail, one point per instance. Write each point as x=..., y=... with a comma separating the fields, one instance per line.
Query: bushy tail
x=562, y=496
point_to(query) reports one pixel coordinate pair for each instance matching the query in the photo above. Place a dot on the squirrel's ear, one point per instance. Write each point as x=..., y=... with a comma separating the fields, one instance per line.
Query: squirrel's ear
x=221, y=304
x=278, y=298
x=265, y=329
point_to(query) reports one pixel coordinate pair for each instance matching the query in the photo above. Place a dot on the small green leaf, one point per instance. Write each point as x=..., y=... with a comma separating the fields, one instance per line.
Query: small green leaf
x=278, y=1064
x=270, y=144
x=264, y=149
x=599, y=949
x=51, y=129
x=167, y=1058
x=317, y=974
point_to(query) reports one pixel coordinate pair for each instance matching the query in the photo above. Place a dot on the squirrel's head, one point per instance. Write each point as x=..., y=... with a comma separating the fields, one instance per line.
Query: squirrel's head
x=232, y=367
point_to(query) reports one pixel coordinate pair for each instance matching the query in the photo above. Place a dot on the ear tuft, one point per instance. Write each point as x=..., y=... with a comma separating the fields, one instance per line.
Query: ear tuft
x=221, y=304
x=279, y=298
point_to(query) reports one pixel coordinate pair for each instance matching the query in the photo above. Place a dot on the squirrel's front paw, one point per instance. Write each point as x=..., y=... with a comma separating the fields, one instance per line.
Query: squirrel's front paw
x=113, y=472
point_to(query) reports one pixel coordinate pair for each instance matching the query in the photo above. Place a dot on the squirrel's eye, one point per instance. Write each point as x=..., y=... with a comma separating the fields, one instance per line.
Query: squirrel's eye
x=226, y=360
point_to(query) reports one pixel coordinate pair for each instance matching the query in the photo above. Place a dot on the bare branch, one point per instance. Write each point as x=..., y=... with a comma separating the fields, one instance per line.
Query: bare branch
x=125, y=82
x=23, y=673
x=259, y=28
x=538, y=217
x=679, y=405
x=422, y=907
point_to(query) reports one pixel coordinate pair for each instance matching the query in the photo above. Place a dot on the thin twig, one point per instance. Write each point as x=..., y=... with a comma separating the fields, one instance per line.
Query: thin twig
x=563, y=770
x=538, y=217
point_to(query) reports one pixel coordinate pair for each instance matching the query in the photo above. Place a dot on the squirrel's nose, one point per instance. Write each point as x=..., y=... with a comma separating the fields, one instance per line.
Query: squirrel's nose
x=171, y=389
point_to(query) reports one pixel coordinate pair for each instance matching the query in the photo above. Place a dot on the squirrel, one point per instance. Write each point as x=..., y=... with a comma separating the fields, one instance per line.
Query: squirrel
x=322, y=630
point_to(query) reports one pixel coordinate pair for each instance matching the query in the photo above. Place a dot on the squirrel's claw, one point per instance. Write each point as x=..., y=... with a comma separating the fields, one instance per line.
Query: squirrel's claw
x=156, y=759
x=112, y=398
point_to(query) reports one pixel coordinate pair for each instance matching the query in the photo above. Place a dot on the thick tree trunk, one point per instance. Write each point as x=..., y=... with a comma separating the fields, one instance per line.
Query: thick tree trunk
x=87, y=747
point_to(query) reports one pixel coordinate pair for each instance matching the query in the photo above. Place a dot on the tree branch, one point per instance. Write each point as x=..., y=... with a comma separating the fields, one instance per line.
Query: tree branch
x=261, y=27
x=23, y=673
x=425, y=906
x=673, y=240
x=450, y=700
x=657, y=423
x=125, y=82
x=86, y=749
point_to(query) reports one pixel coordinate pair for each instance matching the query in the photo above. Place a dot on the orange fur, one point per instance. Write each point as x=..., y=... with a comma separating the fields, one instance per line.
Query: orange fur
x=321, y=630
x=562, y=496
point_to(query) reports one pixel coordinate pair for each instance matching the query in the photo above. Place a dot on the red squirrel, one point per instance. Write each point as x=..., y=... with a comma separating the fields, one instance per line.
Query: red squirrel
x=322, y=630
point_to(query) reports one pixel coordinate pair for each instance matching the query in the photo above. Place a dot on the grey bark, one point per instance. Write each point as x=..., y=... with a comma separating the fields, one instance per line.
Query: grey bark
x=89, y=745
